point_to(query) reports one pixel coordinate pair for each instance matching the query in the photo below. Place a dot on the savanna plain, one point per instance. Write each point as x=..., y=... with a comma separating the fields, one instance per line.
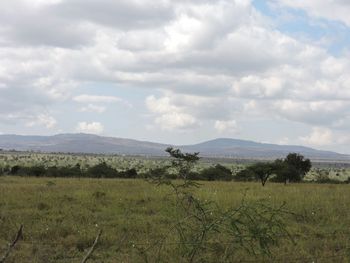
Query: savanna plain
x=61, y=218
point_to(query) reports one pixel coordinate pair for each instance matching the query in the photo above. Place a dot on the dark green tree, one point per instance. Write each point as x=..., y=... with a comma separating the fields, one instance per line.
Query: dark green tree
x=292, y=169
x=299, y=163
x=216, y=173
x=245, y=175
x=263, y=171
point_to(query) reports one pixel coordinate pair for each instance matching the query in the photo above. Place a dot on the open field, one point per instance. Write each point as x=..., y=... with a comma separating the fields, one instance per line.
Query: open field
x=61, y=218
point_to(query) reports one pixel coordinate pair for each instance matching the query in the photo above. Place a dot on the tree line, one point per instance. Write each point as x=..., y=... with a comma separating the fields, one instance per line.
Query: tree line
x=103, y=170
x=292, y=168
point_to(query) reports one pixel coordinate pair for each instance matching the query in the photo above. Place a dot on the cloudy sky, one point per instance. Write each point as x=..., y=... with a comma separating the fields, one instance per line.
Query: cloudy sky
x=179, y=71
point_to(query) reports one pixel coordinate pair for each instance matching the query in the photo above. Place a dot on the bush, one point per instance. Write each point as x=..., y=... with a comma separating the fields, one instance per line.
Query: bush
x=15, y=169
x=156, y=172
x=328, y=181
x=28, y=171
x=130, y=173
x=216, y=173
x=200, y=225
x=245, y=175
x=102, y=170
x=74, y=171
x=53, y=172
x=36, y=171
x=159, y=172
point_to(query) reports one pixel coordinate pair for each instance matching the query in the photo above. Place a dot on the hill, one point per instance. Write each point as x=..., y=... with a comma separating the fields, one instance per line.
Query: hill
x=250, y=149
x=223, y=147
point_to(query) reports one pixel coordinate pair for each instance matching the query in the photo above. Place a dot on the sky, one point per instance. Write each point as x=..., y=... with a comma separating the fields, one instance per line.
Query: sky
x=178, y=72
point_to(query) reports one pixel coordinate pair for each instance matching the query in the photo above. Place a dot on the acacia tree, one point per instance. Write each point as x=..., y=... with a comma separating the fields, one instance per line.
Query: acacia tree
x=199, y=227
x=182, y=162
x=263, y=171
x=293, y=168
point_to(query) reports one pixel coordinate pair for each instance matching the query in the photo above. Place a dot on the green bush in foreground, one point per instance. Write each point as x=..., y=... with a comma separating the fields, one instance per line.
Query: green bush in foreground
x=202, y=225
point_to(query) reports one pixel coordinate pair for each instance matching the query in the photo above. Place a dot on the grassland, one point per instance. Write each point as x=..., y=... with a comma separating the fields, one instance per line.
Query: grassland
x=61, y=218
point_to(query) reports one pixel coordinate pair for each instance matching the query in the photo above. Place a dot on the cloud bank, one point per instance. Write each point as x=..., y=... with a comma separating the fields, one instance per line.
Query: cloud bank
x=201, y=64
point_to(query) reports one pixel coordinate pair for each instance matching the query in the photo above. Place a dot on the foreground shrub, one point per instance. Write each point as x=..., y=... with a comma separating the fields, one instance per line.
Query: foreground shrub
x=204, y=232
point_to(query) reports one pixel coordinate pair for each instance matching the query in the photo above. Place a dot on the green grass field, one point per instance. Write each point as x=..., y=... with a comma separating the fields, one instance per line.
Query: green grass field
x=61, y=218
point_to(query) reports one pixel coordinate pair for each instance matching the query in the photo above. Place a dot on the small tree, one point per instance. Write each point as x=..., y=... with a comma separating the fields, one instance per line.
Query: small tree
x=301, y=166
x=206, y=232
x=182, y=162
x=245, y=175
x=293, y=168
x=263, y=171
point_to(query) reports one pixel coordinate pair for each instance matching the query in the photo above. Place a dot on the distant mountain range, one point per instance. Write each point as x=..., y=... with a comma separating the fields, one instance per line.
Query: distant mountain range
x=224, y=147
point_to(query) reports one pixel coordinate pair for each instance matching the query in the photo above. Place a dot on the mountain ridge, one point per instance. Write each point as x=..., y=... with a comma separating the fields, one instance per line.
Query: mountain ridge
x=220, y=147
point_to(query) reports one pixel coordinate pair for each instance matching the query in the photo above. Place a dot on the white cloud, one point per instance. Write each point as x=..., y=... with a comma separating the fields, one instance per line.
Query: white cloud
x=284, y=141
x=174, y=121
x=319, y=137
x=93, y=108
x=226, y=126
x=92, y=127
x=42, y=120
x=189, y=111
x=314, y=112
x=332, y=9
x=162, y=105
x=207, y=61
x=98, y=104
x=168, y=116
x=323, y=136
x=259, y=87
x=93, y=98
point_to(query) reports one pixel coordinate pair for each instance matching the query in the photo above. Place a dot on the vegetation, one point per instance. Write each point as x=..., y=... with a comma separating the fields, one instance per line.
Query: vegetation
x=65, y=165
x=62, y=216
x=291, y=169
x=194, y=222
x=203, y=225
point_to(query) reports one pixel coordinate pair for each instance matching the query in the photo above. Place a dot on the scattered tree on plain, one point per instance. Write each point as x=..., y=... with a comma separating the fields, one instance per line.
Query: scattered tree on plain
x=291, y=169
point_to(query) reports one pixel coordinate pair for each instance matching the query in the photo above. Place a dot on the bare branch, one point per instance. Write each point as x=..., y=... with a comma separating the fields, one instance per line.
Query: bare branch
x=91, y=250
x=13, y=244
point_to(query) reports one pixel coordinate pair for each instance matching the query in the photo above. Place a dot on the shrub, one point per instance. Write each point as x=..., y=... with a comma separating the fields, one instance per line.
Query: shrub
x=130, y=173
x=15, y=169
x=36, y=171
x=217, y=172
x=158, y=172
x=200, y=226
x=245, y=175
x=102, y=170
